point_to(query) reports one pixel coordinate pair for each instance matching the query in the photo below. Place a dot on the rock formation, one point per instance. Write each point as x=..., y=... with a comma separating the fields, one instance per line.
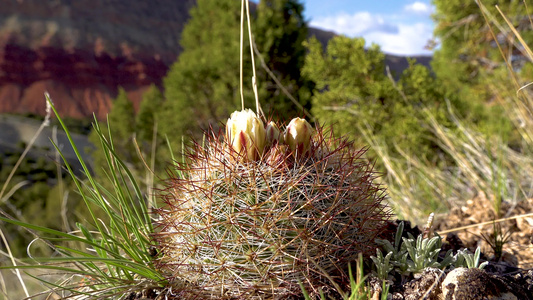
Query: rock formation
x=81, y=51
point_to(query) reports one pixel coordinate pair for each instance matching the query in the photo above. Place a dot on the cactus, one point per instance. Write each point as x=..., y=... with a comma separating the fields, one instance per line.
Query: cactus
x=242, y=224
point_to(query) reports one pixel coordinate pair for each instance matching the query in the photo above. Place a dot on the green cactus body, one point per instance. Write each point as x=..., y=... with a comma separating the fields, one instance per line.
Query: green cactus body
x=234, y=228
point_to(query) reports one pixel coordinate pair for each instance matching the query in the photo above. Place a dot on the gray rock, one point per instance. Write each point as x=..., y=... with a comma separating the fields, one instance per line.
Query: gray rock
x=473, y=284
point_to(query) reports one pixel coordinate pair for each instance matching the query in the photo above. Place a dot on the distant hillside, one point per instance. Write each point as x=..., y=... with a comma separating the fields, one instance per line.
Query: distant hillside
x=81, y=51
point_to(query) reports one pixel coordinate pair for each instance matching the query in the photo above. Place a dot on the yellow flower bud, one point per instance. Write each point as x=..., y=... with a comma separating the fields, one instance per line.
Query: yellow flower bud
x=273, y=135
x=298, y=135
x=246, y=132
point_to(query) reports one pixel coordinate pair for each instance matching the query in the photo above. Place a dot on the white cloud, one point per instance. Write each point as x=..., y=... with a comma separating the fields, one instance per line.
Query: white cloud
x=420, y=8
x=410, y=39
x=393, y=35
x=358, y=24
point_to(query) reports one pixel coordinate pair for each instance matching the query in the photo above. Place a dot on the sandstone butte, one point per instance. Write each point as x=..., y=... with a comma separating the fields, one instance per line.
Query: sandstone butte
x=81, y=51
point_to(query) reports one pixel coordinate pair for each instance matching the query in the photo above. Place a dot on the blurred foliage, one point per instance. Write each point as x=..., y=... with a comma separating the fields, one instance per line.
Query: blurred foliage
x=348, y=79
x=279, y=32
x=79, y=126
x=469, y=54
x=121, y=126
x=38, y=197
x=133, y=132
x=480, y=57
x=354, y=93
x=147, y=118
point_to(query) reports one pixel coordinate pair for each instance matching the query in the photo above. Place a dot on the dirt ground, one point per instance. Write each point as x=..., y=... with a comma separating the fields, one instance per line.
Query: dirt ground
x=517, y=252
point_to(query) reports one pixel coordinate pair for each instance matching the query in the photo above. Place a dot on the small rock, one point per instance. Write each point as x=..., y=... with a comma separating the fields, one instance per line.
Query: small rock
x=473, y=284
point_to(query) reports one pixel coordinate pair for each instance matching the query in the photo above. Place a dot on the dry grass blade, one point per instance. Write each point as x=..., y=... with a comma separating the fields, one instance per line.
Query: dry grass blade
x=443, y=232
x=13, y=262
x=517, y=34
x=44, y=124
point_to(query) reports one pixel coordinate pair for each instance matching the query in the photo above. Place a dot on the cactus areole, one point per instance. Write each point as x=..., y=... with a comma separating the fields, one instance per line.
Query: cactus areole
x=257, y=212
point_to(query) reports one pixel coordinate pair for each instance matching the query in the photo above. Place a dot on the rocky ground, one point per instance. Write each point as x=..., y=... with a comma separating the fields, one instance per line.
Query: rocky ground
x=509, y=274
x=508, y=277
x=517, y=252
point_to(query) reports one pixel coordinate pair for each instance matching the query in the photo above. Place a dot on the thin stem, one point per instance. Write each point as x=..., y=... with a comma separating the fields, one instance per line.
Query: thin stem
x=254, y=77
x=241, y=54
x=485, y=223
x=151, y=200
x=280, y=85
x=45, y=123
x=14, y=263
x=62, y=192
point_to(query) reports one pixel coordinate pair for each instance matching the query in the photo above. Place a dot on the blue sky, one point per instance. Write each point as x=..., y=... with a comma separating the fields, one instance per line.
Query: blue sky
x=400, y=27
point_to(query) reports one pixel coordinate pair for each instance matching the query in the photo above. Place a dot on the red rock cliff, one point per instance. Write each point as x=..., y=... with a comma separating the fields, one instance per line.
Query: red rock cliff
x=81, y=51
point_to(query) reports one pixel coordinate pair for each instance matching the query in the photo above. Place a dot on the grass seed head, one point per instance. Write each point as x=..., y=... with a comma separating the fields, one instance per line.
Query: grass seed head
x=243, y=228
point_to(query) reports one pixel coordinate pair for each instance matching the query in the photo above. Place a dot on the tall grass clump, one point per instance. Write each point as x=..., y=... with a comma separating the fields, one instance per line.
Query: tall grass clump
x=478, y=164
x=108, y=256
x=258, y=212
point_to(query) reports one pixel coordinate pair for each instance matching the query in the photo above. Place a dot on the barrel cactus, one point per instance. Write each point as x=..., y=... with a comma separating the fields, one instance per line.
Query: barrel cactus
x=260, y=211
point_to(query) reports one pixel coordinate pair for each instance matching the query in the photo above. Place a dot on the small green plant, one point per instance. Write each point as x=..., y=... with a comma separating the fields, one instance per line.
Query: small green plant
x=497, y=239
x=424, y=253
x=411, y=256
x=358, y=290
x=395, y=258
x=383, y=264
x=468, y=260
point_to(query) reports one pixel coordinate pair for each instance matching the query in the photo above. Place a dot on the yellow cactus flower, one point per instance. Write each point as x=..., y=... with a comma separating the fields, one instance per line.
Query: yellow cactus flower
x=298, y=135
x=246, y=132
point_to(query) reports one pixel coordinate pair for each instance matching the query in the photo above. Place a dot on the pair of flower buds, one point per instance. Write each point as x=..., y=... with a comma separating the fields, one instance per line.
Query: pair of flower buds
x=246, y=132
